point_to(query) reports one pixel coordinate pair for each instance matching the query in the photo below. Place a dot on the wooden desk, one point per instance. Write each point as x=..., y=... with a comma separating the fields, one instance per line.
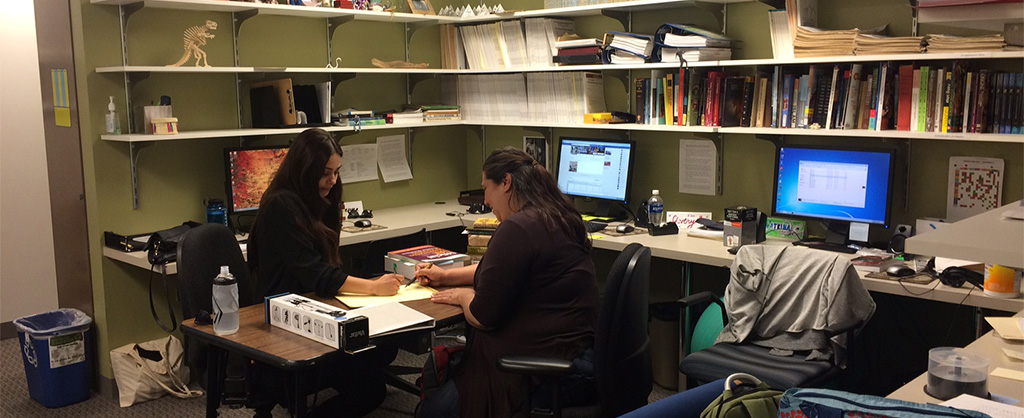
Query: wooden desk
x=399, y=221
x=276, y=347
x=989, y=345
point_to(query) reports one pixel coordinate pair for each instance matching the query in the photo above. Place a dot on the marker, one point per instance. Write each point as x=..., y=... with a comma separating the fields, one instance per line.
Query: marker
x=414, y=279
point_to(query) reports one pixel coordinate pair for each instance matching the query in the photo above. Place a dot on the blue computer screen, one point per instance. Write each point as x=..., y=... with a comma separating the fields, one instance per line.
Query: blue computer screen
x=595, y=168
x=846, y=185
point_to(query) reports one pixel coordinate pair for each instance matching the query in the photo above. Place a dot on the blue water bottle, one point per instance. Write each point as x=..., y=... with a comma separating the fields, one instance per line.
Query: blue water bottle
x=216, y=212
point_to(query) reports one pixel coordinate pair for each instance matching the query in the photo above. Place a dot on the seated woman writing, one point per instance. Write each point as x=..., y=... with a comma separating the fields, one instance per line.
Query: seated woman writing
x=293, y=247
x=533, y=293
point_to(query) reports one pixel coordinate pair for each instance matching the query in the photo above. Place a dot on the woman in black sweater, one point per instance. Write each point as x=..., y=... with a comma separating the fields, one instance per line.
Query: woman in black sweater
x=293, y=247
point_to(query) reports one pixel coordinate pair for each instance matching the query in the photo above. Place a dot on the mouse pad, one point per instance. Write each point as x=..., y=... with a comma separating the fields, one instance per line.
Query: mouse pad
x=354, y=229
x=917, y=278
x=610, y=231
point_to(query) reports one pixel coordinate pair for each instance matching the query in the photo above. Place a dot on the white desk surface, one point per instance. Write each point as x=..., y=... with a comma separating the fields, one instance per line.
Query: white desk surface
x=399, y=221
x=409, y=219
x=990, y=345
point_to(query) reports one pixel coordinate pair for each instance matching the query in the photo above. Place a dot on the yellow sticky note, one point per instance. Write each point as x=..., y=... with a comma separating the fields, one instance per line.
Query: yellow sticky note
x=1009, y=374
x=62, y=116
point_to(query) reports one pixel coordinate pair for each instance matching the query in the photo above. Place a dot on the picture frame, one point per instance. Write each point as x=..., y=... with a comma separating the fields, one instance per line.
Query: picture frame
x=421, y=7
x=537, y=147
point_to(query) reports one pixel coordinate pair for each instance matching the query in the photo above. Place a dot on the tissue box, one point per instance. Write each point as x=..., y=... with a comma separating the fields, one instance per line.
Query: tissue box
x=320, y=322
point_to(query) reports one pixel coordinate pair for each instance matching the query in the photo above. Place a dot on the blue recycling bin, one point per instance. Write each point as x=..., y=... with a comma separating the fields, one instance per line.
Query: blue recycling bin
x=56, y=348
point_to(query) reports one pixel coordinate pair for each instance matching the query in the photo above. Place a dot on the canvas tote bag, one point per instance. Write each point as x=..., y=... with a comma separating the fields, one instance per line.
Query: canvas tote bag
x=149, y=370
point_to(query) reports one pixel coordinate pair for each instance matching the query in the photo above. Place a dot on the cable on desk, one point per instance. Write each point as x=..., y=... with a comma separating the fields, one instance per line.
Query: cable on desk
x=906, y=289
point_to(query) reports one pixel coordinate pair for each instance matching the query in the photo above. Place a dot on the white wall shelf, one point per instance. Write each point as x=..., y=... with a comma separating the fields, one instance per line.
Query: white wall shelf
x=230, y=133
x=990, y=17
x=985, y=238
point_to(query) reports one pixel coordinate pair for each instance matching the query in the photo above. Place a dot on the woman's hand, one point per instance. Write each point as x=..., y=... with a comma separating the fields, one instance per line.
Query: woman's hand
x=386, y=285
x=459, y=296
x=431, y=276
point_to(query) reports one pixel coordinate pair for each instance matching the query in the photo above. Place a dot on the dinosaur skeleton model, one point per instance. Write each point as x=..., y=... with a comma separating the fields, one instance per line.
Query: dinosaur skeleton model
x=196, y=37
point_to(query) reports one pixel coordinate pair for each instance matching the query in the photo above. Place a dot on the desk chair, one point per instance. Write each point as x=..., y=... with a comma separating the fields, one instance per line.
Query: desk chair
x=201, y=252
x=622, y=348
x=783, y=298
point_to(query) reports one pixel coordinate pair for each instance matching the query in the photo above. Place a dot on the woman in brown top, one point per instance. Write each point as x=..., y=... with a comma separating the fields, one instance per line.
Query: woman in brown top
x=533, y=293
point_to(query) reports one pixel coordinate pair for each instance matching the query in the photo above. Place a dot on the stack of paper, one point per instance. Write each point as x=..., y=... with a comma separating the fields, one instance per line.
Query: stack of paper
x=949, y=43
x=667, y=54
x=814, y=42
x=782, y=41
x=693, y=41
x=871, y=44
x=637, y=45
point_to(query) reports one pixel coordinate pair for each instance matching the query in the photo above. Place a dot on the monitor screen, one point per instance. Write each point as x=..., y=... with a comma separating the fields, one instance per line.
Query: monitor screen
x=595, y=168
x=249, y=172
x=834, y=184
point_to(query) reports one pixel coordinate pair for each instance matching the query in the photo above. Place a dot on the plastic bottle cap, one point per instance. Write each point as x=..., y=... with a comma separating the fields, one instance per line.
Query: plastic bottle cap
x=654, y=192
x=224, y=270
x=110, y=106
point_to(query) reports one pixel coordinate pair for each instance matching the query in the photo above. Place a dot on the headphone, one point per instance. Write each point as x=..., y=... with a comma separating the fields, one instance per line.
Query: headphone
x=957, y=276
x=479, y=208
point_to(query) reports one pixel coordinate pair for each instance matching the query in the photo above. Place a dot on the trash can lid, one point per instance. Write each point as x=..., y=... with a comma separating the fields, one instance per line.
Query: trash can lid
x=64, y=320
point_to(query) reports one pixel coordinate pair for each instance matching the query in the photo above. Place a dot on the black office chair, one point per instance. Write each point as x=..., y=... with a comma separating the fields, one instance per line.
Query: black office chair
x=782, y=279
x=622, y=348
x=201, y=252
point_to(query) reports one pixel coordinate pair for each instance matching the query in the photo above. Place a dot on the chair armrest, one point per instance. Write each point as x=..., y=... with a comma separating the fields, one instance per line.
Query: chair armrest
x=698, y=298
x=536, y=366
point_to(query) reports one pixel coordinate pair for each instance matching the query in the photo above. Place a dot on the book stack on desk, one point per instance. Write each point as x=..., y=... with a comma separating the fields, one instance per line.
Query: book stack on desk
x=437, y=113
x=874, y=263
x=404, y=261
x=479, y=236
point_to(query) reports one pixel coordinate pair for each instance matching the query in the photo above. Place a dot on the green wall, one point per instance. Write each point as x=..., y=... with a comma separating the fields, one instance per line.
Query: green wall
x=175, y=176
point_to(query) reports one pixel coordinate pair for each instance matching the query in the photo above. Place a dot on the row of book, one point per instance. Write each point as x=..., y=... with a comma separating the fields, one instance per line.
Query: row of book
x=559, y=97
x=411, y=116
x=882, y=96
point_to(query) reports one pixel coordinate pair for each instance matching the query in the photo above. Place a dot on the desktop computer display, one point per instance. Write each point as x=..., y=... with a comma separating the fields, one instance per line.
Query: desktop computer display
x=249, y=172
x=596, y=168
x=840, y=185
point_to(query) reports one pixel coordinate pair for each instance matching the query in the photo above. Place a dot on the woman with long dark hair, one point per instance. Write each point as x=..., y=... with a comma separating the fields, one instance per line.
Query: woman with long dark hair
x=293, y=247
x=533, y=293
x=293, y=243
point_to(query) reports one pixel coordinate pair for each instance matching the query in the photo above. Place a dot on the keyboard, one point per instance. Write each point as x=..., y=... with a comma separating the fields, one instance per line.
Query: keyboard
x=827, y=246
x=595, y=226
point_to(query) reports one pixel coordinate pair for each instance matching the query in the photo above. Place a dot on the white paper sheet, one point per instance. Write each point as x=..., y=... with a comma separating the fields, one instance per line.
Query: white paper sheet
x=358, y=163
x=391, y=158
x=698, y=171
x=992, y=408
x=975, y=185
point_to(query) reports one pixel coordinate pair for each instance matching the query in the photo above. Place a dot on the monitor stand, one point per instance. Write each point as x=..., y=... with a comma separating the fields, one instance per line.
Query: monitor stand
x=835, y=238
x=608, y=211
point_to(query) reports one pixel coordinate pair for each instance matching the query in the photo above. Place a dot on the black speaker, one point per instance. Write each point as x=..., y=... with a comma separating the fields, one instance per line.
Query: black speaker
x=642, y=220
x=899, y=238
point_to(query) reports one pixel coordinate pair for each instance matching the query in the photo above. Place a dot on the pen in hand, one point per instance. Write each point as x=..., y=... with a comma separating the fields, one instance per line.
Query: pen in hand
x=416, y=277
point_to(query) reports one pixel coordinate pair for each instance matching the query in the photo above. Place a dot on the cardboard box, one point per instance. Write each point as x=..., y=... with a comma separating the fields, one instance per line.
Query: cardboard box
x=740, y=226
x=320, y=322
x=789, y=229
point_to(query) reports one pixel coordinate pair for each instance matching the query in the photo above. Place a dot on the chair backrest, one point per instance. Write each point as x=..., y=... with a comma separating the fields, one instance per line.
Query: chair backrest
x=622, y=347
x=373, y=264
x=201, y=252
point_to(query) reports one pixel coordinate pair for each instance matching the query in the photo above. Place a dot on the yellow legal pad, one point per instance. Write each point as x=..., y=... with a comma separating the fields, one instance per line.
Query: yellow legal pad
x=414, y=291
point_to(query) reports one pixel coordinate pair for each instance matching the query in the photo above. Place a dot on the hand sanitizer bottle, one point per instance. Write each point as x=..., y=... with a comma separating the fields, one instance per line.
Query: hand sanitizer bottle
x=113, y=123
x=225, y=303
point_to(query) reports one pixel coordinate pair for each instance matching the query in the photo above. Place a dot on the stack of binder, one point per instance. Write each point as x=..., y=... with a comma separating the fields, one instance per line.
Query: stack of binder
x=691, y=43
x=578, y=51
x=627, y=48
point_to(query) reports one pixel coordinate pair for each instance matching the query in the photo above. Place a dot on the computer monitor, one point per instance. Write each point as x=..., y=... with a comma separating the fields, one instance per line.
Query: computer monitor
x=599, y=169
x=833, y=184
x=249, y=172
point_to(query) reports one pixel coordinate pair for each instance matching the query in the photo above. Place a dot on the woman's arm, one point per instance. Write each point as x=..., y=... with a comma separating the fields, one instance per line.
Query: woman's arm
x=385, y=285
x=463, y=297
x=436, y=276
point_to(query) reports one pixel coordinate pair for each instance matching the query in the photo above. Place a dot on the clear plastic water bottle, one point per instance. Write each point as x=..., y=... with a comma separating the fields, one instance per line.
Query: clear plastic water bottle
x=655, y=209
x=216, y=212
x=225, y=303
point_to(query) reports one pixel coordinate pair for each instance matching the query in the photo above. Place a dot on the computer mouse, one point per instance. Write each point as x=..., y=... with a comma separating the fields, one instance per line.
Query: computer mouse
x=624, y=229
x=900, y=270
x=363, y=223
